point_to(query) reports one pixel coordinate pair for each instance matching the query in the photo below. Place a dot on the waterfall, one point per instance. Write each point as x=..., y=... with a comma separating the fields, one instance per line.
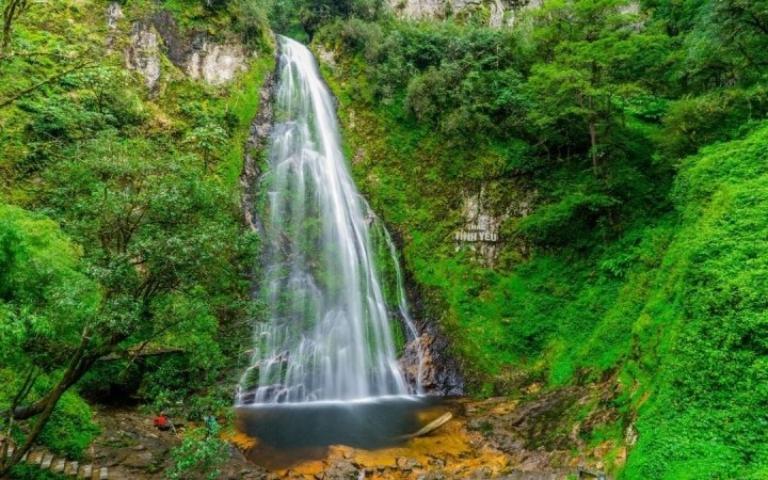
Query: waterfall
x=330, y=333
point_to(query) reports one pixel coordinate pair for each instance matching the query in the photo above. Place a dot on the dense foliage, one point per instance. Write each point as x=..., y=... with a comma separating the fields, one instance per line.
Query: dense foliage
x=200, y=455
x=630, y=247
x=622, y=145
x=127, y=236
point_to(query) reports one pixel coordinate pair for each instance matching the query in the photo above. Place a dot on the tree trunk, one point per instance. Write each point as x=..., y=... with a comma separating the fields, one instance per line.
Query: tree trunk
x=11, y=12
x=593, y=146
x=41, y=420
x=44, y=407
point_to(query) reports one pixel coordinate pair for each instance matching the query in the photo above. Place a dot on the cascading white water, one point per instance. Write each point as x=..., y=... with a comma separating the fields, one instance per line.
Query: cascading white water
x=330, y=334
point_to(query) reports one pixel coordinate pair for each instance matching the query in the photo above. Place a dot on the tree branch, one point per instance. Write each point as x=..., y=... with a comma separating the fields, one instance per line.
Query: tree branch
x=58, y=76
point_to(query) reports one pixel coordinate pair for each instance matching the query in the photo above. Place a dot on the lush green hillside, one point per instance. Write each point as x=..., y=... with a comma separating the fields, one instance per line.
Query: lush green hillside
x=639, y=263
x=623, y=151
x=703, y=325
x=127, y=233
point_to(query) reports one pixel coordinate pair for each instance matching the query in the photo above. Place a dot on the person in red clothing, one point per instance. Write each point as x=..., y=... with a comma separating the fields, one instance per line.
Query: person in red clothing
x=162, y=422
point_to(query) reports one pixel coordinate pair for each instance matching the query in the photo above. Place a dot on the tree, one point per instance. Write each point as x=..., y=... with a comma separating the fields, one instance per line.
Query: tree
x=569, y=105
x=48, y=307
x=577, y=94
x=157, y=254
x=207, y=139
x=12, y=10
x=739, y=28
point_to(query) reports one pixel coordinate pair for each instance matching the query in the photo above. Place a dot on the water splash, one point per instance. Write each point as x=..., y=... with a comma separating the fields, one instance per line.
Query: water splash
x=330, y=334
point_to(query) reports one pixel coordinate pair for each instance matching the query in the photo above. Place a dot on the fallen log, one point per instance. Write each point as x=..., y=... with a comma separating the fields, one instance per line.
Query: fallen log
x=432, y=426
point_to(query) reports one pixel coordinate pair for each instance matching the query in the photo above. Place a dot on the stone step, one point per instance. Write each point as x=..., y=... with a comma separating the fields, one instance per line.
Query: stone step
x=71, y=468
x=58, y=465
x=35, y=457
x=100, y=473
x=85, y=471
x=47, y=461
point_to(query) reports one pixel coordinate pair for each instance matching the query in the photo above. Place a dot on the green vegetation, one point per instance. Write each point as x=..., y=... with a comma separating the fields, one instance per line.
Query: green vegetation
x=200, y=455
x=709, y=305
x=630, y=247
x=622, y=149
x=126, y=233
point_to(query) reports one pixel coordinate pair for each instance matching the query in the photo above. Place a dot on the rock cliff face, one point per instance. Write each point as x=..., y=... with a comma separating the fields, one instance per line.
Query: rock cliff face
x=499, y=12
x=440, y=372
x=261, y=127
x=481, y=232
x=197, y=54
x=143, y=53
x=114, y=14
x=216, y=63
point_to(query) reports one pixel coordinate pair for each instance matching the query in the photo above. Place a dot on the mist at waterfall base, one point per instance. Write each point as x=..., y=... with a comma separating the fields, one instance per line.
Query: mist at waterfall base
x=324, y=367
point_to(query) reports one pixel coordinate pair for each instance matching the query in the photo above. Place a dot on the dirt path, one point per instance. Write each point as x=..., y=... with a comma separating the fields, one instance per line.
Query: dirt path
x=133, y=449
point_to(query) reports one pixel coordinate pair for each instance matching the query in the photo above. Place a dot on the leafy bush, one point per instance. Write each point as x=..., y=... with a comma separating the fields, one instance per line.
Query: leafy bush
x=71, y=429
x=720, y=115
x=706, y=404
x=249, y=18
x=200, y=455
x=576, y=216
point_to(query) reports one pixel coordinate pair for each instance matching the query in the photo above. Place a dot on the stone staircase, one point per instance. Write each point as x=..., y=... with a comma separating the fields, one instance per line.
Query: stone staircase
x=48, y=461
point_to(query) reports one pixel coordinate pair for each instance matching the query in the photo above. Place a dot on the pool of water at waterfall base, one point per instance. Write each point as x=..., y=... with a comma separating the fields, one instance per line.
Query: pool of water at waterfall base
x=282, y=435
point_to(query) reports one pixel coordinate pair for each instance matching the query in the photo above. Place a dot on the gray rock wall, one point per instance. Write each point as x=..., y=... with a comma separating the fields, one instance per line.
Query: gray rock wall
x=480, y=232
x=196, y=54
x=216, y=63
x=143, y=53
x=501, y=13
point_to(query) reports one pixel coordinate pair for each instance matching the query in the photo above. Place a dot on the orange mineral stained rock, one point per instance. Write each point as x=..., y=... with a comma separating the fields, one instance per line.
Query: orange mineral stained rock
x=241, y=440
x=452, y=449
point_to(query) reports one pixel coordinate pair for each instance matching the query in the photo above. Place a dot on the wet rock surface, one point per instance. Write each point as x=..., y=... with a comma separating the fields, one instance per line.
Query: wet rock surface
x=440, y=372
x=255, y=147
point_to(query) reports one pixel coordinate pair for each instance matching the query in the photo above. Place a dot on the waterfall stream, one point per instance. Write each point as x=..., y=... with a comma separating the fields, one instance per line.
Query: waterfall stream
x=331, y=329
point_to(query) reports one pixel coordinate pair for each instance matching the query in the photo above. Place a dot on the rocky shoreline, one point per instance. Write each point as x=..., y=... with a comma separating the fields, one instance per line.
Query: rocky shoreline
x=487, y=439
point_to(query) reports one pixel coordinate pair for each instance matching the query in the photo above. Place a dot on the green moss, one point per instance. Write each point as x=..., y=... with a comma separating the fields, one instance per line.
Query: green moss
x=33, y=472
x=71, y=429
x=243, y=102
